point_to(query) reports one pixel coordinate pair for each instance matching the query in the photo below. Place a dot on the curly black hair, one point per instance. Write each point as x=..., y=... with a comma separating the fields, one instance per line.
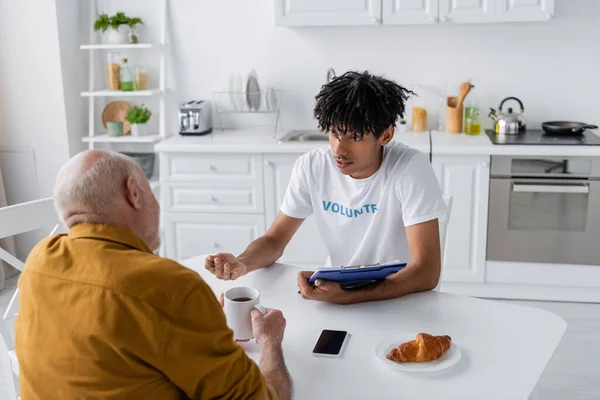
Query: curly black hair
x=360, y=103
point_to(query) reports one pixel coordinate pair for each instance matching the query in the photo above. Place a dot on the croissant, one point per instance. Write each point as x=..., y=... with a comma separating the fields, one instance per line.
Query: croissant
x=424, y=348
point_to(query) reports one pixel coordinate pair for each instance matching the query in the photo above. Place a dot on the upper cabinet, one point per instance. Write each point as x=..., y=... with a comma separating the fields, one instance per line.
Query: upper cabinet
x=466, y=11
x=408, y=12
x=524, y=10
x=327, y=12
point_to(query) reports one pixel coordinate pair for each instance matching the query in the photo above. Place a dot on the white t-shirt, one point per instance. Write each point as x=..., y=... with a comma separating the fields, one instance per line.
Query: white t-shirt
x=362, y=221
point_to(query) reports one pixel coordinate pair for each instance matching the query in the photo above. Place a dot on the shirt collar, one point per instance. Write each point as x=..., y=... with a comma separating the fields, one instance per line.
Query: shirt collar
x=110, y=233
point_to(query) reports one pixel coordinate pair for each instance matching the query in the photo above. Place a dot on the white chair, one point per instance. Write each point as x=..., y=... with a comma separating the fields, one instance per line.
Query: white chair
x=443, y=227
x=14, y=220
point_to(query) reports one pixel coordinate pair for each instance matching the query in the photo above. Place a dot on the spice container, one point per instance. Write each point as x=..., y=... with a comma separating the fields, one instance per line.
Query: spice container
x=113, y=71
x=419, y=119
x=126, y=77
x=141, y=79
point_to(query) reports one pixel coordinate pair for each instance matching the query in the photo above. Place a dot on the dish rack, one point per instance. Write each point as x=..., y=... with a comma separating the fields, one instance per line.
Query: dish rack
x=267, y=102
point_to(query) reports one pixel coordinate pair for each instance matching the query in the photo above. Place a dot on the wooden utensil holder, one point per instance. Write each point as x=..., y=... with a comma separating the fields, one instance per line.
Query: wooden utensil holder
x=454, y=116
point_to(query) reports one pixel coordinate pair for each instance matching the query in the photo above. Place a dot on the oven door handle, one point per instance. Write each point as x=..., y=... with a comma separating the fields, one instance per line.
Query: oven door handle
x=537, y=188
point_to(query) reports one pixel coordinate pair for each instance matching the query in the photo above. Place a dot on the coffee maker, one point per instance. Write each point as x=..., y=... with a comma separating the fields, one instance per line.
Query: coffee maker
x=195, y=118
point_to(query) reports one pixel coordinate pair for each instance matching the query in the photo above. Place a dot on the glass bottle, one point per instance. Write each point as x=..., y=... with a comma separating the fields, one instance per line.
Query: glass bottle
x=126, y=77
x=472, y=125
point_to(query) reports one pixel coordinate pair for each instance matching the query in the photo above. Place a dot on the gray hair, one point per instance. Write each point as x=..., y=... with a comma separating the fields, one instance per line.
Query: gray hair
x=93, y=187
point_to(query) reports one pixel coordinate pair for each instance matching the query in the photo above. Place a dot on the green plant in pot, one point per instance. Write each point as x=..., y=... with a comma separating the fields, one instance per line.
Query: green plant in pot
x=133, y=35
x=114, y=28
x=138, y=117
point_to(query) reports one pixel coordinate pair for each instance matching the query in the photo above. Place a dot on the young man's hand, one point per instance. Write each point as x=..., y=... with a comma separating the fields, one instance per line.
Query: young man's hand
x=225, y=266
x=327, y=291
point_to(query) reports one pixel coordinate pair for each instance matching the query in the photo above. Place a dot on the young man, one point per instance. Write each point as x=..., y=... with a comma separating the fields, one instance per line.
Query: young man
x=374, y=201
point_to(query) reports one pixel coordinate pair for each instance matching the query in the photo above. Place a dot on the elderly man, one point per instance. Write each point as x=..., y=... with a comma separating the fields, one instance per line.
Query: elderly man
x=102, y=317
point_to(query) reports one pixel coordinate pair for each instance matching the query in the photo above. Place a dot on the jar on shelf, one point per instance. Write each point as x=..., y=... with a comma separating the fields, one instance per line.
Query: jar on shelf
x=126, y=77
x=141, y=80
x=472, y=125
x=419, y=119
x=132, y=36
x=113, y=71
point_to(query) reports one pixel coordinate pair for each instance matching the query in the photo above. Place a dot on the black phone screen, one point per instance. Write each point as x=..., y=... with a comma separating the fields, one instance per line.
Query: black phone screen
x=330, y=342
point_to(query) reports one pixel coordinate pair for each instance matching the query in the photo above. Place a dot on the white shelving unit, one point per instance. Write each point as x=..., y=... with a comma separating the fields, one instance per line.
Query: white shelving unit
x=94, y=92
x=104, y=138
x=120, y=46
x=118, y=93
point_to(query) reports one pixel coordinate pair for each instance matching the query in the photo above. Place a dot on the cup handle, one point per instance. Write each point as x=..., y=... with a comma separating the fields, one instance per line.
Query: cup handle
x=260, y=308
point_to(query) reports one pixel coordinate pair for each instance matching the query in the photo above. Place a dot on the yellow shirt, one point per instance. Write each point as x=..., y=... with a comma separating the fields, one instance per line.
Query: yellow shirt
x=101, y=317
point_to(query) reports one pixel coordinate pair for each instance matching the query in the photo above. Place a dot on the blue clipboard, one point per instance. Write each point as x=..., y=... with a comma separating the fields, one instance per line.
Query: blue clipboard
x=357, y=273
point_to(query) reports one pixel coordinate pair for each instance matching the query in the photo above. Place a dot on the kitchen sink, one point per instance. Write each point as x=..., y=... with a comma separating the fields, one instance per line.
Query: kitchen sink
x=304, y=136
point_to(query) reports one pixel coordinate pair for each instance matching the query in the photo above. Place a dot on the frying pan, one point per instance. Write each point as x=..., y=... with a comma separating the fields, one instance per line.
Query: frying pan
x=567, y=128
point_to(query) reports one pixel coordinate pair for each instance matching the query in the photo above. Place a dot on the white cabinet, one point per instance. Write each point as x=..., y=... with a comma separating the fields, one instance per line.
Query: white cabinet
x=306, y=247
x=466, y=11
x=327, y=12
x=192, y=234
x=409, y=12
x=524, y=10
x=210, y=202
x=466, y=179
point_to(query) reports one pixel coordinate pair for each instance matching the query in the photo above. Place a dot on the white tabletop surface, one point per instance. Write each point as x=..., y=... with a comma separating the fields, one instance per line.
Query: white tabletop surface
x=505, y=347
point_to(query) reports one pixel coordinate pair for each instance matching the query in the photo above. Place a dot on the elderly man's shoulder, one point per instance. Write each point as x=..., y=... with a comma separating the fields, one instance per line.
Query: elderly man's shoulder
x=152, y=271
x=160, y=282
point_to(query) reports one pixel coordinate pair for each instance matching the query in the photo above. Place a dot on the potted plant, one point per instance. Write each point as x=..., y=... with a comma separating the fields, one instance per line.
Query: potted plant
x=133, y=22
x=138, y=117
x=114, y=29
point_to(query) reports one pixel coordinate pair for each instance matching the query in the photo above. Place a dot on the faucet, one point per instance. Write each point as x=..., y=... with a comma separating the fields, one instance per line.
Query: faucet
x=330, y=75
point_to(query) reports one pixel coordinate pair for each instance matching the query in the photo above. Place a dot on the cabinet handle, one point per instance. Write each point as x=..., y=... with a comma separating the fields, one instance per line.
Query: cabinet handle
x=268, y=163
x=376, y=20
x=549, y=16
x=444, y=19
x=433, y=19
x=216, y=245
x=213, y=199
x=210, y=167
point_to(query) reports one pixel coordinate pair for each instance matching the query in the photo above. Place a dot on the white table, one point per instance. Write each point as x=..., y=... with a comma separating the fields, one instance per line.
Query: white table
x=505, y=347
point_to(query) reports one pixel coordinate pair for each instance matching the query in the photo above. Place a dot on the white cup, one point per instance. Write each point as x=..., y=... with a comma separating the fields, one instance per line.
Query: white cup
x=239, y=302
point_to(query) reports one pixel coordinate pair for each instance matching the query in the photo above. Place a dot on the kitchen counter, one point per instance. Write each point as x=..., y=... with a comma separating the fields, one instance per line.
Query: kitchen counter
x=446, y=143
x=259, y=141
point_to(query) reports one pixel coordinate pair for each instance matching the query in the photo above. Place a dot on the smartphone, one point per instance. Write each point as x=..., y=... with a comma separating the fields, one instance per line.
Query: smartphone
x=331, y=343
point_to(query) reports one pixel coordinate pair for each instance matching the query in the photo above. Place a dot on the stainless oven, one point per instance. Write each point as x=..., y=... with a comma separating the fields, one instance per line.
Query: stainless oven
x=545, y=210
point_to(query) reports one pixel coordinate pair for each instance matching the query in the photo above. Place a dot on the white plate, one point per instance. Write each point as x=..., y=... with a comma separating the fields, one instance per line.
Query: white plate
x=252, y=91
x=448, y=359
x=240, y=93
x=232, y=94
x=272, y=99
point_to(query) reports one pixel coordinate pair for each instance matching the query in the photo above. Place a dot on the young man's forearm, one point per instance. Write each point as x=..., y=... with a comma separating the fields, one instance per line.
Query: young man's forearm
x=274, y=370
x=412, y=279
x=261, y=253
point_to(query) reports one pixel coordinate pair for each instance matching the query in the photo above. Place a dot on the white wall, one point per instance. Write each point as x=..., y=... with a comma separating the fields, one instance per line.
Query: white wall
x=32, y=104
x=73, y=30
x=552, y=66
x=33, y=125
